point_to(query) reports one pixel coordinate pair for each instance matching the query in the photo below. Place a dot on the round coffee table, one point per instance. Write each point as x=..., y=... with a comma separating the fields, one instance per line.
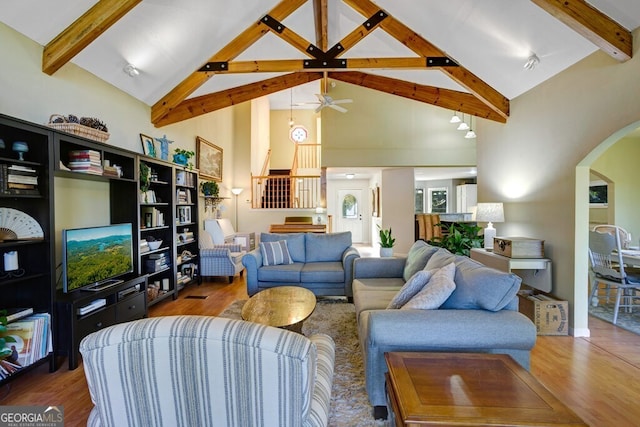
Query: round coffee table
x=284, y=307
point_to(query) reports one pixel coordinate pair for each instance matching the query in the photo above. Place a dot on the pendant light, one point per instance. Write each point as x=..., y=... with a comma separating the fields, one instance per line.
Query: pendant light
x=463, y=125
x=455, y=118
x=470, y=134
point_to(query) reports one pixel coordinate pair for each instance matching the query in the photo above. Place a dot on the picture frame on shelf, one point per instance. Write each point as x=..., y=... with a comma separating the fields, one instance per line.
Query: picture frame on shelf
x=148, y=145
x=209, y=159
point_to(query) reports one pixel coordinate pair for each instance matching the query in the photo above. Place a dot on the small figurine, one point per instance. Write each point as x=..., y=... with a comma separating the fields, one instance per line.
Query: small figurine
x=164, y=147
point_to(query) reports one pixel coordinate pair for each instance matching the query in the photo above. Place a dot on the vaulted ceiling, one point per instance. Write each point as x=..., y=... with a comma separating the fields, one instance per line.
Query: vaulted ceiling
x=198, y=56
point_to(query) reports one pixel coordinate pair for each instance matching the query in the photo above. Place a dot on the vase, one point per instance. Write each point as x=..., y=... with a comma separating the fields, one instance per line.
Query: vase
x=386, y=252
x=180, y=159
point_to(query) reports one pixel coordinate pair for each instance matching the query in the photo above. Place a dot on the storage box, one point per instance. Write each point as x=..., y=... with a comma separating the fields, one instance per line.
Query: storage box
x=551, y=316
x=518, y=247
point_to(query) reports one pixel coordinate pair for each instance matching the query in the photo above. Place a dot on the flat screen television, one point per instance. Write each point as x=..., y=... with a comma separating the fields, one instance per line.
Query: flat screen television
x=598, y=196
x=94, y=258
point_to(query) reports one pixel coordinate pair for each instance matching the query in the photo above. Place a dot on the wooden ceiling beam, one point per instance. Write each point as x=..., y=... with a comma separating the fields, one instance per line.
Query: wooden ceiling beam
x=321, y=18
x=298, y=65
x=227, y=53
x=197, y=106
x=593, y=25
x=355, y=36
x=415, y=42
x=84, y=30
x=445, y=98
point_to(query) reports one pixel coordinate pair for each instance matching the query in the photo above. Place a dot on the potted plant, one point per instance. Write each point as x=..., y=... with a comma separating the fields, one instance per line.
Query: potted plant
x=183, y=157
x=460, y=238
x=209, y=188
x=386, y=242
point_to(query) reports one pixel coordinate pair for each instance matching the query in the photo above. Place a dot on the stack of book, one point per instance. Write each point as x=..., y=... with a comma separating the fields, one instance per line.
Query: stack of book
x=85, y=161
x=110, y=171
x=18, y=179
x=183, y=197
x=29, y=340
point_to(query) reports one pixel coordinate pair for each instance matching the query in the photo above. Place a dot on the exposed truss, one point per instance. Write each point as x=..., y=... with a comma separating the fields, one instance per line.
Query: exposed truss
x=329, y=62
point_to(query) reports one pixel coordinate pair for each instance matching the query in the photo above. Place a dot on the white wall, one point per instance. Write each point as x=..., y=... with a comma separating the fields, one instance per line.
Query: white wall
x=530, y=163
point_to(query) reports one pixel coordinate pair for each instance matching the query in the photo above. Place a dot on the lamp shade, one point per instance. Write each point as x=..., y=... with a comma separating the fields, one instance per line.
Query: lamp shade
x=236, y=191
x=490, y=212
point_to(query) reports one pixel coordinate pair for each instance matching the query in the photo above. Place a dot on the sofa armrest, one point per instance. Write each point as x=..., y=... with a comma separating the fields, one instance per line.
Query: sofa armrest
x=368, y=268
x=252, y=261
x=348, y=258
x=503, y=331
x=220, y=251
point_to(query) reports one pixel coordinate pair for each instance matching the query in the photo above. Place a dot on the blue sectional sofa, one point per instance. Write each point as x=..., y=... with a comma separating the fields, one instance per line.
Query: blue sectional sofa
x=480, y=316
x=322, y=263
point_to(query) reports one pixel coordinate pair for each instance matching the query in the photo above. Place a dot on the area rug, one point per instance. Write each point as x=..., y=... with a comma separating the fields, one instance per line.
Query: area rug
x=335, y=317
x=628, y=321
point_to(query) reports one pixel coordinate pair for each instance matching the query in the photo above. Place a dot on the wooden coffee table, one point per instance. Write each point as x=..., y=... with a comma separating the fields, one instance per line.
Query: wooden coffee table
x=283, y=307
x=462, y=389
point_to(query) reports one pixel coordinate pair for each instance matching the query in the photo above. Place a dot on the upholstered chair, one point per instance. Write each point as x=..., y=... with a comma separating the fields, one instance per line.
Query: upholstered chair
x=219, y=259
x=207, y=371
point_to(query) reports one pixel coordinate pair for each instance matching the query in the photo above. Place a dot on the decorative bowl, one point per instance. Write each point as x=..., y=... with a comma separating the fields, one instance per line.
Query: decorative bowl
x=153, y=245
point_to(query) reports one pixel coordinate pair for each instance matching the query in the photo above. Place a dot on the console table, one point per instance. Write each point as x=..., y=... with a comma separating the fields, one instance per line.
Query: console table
x=535, y=272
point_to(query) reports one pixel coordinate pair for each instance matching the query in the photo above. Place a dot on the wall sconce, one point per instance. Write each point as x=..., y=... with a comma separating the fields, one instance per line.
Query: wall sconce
x=489, y=212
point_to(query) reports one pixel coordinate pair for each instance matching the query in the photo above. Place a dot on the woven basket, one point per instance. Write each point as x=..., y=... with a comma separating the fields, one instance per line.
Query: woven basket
x=77, y=129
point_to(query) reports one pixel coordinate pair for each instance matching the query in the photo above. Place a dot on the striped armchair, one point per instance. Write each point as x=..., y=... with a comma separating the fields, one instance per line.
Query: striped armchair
x=207, y=371
x=219, y=260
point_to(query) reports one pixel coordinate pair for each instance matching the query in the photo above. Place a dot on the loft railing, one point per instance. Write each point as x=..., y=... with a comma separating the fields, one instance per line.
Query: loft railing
x=285, y=191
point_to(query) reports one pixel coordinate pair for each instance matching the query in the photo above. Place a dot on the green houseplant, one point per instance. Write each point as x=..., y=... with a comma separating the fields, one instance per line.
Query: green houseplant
x=386, y=242
x=183, y=157
x=209, y=188
x=460, y=238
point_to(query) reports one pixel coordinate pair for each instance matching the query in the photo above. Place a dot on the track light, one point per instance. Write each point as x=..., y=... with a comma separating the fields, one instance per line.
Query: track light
x=131, y=70
x=532, y=62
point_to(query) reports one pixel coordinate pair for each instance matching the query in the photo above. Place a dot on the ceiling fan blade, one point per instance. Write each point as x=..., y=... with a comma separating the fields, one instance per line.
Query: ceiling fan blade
x=338, y=108
x=321, y=98
x=343, y=101
x=320, y=107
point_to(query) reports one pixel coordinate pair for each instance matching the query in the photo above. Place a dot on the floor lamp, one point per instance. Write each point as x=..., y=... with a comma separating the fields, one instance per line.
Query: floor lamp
x=236, y=192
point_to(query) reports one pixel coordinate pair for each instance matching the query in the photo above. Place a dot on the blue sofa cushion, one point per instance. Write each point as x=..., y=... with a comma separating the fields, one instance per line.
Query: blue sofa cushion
x=410, y=289
x=295, y=243
x=417, y=258
x=436, y=291
x=327, y=247
x=477, y=286
x=275, y=253
x=285, y=273
x=318, y=272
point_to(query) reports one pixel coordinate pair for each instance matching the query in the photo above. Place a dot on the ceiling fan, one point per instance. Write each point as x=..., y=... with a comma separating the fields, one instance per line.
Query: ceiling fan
x=327, y=101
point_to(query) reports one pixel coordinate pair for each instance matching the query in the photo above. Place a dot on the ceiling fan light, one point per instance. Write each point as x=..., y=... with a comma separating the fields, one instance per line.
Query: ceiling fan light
x=470, y=134
x=463, y=126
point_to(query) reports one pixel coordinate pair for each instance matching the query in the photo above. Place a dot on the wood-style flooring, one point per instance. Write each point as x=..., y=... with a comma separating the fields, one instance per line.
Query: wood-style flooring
x=597, y=377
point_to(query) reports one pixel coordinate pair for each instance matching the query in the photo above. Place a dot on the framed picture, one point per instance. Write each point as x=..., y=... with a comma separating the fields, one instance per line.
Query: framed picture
x=438, y=200
x=148, y=145
x=208, y=159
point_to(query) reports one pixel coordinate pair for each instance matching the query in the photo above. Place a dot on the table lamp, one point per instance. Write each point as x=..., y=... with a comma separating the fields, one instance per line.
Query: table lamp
x=489, y=212
x=319, y=211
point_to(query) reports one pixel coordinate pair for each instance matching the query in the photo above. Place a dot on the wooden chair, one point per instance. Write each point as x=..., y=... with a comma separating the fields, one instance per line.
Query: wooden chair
x=606, y=267
x=625, y=236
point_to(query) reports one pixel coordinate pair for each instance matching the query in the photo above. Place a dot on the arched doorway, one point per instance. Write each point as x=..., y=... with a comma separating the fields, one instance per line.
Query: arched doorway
x=582, y=222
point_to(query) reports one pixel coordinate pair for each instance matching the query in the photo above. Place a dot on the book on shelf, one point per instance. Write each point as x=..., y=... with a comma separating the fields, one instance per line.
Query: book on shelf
x=29, y=339
x=17, y=313
x=16, y=179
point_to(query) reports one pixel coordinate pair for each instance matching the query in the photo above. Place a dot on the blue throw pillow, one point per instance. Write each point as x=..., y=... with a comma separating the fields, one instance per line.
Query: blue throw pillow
x=275, y=253
x=417, y=258
x=295, y=243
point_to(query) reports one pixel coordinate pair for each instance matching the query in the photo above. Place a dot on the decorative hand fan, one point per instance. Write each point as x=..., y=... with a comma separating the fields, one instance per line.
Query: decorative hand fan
x=17, y=225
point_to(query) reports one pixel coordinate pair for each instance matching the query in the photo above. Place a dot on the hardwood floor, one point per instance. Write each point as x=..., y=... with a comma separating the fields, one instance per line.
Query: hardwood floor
x=597, y=377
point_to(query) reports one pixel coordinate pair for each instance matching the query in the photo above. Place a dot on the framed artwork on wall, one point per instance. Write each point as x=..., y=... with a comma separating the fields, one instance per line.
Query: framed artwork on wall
x=208, y=159
x=148, y=145
x=438, y=200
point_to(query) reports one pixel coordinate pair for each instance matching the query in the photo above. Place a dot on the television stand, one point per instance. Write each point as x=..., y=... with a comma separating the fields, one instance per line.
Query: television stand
x=124, y=301
x=103, y=285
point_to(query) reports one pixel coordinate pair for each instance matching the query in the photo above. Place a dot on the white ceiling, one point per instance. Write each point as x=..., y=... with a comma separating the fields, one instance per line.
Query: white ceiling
x=167, y=40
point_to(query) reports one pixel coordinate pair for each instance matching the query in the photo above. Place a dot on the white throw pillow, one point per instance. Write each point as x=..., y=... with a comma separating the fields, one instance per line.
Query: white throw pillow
x=436, y=291
x=409, y=289
x=275, y=253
